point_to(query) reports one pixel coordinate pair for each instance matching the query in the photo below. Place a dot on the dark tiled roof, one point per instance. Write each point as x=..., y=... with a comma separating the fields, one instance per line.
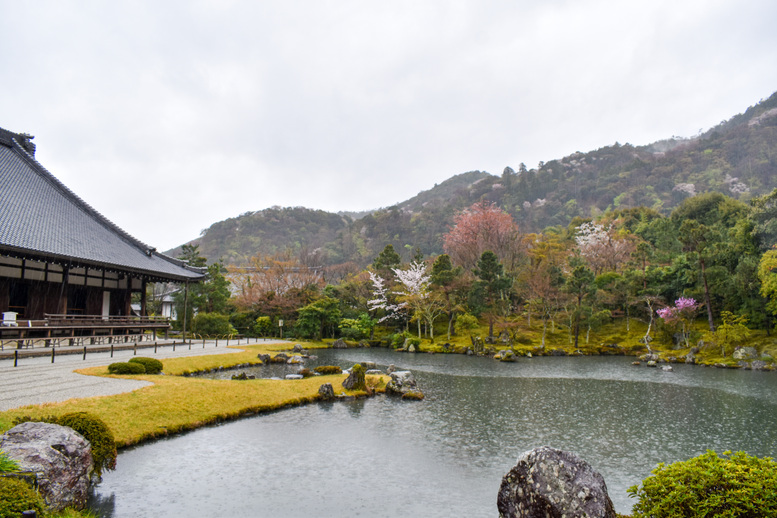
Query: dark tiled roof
x=39, y=215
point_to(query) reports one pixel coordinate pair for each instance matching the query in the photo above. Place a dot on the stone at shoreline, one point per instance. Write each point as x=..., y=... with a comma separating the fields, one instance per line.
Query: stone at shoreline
x=280, y=358
x=297, y=348
x=355, y=379
x=391, y=368
x=339, y=344
x=745, y=353
x=547, y=482
x=264, y=358
x=294, y=376
x=401, y=383
x=757, y=365
x=326, y=392
x=369, y=365
x=373, y=372
x=61, y=458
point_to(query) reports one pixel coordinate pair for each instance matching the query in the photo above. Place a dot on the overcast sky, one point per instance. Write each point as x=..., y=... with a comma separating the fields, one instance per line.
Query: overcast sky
x=168, y=116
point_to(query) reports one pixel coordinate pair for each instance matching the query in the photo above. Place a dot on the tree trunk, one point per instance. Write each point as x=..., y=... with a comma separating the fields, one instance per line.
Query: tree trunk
x=707, y=295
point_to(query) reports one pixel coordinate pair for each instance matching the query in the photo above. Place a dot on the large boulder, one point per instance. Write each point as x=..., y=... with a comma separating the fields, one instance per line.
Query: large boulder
x=401, y=383
x=355, y=379
x=60, y=457
x=550, y=483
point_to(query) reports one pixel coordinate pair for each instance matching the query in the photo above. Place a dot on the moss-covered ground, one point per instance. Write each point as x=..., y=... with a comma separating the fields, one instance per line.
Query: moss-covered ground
x=177, y=403
x=614, y=338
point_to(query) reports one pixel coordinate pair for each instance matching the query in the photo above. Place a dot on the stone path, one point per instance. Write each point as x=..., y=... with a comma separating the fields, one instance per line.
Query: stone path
x=37, y=380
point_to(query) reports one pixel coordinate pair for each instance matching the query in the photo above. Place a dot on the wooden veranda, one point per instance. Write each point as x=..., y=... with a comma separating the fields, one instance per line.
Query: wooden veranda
x=68, y=330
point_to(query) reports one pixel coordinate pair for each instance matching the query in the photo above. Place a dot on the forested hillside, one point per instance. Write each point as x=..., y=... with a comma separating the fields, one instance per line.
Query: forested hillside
x=737, y=158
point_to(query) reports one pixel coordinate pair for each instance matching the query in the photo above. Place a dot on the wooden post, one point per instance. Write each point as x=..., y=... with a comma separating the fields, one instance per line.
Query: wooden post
x=84, y=352
x=143, y=302
x=185, y=308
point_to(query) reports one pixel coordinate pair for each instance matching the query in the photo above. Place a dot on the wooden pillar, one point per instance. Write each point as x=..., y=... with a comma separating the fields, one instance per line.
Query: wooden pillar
x=62, y=308
x=143, y=310
x=185, y=308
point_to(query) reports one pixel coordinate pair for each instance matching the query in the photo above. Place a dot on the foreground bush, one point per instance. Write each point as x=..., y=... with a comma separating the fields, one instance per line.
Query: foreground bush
x=734, y=485
x=151, y=365
x=16, y=496
x=126, y=368
x=99, y=436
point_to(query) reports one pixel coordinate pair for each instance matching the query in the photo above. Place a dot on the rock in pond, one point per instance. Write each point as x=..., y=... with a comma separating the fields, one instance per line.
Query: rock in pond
x=61, y=458
x=326, y=392
x=339, y=344
x=401, y=383
x=547, y=482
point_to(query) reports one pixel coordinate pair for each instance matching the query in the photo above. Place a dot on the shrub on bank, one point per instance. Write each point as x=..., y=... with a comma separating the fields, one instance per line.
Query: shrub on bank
x=99, y=436
x=733, y=485
x=16, y=496
x=328, y=369
x=126, y=368
x=151, y=365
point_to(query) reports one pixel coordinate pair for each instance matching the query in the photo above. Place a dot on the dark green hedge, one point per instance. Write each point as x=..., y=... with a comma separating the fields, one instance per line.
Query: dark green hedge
x=151, y=365
x=126, y=368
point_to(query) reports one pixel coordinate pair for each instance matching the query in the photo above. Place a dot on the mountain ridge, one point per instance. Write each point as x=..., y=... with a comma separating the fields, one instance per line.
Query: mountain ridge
x=737, y=157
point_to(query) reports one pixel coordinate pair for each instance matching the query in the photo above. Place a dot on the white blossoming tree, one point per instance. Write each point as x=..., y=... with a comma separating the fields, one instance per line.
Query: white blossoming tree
x=417, y=296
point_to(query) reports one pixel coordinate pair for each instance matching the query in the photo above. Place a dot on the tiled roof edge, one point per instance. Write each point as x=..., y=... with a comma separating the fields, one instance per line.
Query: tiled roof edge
x=9, y=138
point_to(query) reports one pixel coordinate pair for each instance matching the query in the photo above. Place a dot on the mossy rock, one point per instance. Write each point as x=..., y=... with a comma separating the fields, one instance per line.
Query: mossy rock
x=413, y=395
x=328, y=369
x=356, y=380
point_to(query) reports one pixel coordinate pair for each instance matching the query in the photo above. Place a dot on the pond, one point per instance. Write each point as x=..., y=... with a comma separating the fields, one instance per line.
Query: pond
x=446, y=455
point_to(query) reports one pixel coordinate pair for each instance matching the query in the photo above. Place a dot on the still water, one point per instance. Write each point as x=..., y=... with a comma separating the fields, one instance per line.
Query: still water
x=445, y=456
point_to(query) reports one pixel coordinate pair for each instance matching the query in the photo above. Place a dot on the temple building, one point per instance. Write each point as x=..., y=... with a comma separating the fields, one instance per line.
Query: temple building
x=59, y=256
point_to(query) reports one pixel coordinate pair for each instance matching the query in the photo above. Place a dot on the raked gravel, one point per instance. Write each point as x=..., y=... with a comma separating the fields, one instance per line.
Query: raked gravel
x=37, y=380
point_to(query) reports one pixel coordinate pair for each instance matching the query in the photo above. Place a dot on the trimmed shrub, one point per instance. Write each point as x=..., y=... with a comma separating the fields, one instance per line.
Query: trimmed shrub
x=16, y=496
x=708, y=485
x=151, y=365
x=126, y=368
x=328, y=369
x=99, y=436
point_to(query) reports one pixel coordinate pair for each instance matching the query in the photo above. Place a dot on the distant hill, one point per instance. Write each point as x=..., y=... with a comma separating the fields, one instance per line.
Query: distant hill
x=738, y=158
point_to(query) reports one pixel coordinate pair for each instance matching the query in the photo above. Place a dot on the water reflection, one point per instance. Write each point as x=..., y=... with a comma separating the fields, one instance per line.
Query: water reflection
x=445, y=456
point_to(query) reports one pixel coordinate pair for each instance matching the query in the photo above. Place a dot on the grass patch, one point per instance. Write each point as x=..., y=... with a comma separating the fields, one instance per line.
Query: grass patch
x=174, y=404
